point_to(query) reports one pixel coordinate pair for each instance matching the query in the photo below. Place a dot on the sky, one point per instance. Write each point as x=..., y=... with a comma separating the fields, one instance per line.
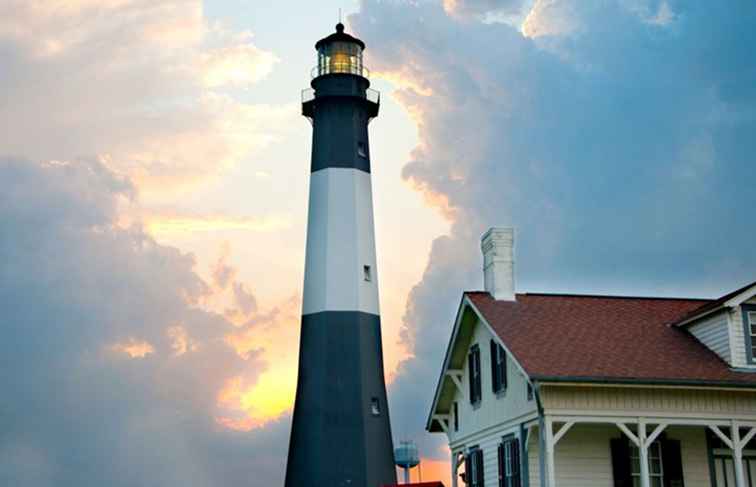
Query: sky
x=153, y=187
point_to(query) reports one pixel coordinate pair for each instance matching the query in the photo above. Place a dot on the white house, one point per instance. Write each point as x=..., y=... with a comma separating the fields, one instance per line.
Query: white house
x=548, y=390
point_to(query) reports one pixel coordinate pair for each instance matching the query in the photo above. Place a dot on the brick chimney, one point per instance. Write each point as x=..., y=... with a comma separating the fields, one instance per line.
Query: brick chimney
x=497, y=245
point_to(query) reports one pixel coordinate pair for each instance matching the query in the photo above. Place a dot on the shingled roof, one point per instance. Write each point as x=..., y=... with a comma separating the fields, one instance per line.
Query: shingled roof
x=605, y=339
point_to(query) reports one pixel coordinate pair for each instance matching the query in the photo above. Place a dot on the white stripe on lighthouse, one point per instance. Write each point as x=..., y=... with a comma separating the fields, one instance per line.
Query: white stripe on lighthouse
x=340, y=243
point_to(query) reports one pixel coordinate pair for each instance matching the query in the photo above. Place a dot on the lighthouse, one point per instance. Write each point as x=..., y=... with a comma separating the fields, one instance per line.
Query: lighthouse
x=341, y=435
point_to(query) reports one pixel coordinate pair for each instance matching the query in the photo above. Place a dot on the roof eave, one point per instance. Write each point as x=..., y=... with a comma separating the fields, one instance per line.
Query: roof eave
x=741, y=298
x=546, y=379
x=734, y=299
x=699, y=316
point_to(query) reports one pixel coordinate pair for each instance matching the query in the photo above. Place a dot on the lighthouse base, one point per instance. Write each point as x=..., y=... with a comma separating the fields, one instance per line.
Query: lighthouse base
x=341, y=434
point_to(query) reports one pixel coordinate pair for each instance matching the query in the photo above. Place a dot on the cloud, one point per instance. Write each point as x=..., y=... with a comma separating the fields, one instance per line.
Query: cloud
x=236, y=65
x=481, y=8
x=106, y=321
x=223, y=273
x=134, y=348
x=181, y=342
x=138, y=84
x=164, y=224
x=607, y=133
x=245, y=300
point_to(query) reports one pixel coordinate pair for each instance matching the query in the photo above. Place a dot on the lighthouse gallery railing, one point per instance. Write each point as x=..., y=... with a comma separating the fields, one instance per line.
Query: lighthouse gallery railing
x=308, y=94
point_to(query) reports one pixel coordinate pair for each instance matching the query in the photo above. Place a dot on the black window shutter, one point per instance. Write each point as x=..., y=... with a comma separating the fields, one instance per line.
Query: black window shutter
x=621, y=462
x=503, y=368
x=479, y=464
x=500, y=455
x=494, y=372
x=515, y=463
x=478, y=388
x=468, y=469
x=672, y=458
x=471, y=367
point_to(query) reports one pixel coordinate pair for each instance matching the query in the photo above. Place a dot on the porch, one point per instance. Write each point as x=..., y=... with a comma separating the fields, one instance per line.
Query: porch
x=582, y=451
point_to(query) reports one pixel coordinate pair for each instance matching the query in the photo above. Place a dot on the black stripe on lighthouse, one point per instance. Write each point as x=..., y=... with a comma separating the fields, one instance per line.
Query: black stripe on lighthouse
x=340, y=383
x=341, y=112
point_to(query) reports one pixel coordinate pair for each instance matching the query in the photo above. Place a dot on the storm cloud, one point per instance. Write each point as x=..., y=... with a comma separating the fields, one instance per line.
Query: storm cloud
x=99, y=385
x=613, y=135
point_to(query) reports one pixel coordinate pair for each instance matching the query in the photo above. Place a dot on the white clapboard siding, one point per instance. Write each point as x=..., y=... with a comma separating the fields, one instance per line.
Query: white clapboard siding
x=738, y=338
x=694, y=455
x=495, y=414
x=714, y=332
x=534, y=459
x=583, y=457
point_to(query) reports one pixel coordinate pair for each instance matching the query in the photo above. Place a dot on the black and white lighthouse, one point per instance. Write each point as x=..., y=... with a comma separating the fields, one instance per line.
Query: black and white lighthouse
x=341, y=435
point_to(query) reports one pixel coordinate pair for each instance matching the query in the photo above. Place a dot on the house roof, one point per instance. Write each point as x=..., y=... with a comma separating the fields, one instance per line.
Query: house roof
x=558, y=337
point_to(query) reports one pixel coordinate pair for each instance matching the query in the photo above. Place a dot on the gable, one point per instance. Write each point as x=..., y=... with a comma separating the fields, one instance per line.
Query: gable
x=721, y=327
x=456, y=355
x=470, y=328
x=496, y=408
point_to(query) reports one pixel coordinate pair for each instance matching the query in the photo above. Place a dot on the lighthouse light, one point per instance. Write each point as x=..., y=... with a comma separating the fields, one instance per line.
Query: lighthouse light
x=340, y=57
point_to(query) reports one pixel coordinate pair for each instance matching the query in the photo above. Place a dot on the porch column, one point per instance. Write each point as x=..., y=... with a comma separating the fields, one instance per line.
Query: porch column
x=643, y=454
x=736, y=444
x=737, y=455
x=643, y=441
x=550, y=441
x=454, y=468
x=549, y=444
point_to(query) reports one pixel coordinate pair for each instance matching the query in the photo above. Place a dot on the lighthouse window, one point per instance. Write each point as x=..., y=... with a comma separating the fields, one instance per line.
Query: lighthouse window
x=366, y=273
x=375, y=407
x=361, y=149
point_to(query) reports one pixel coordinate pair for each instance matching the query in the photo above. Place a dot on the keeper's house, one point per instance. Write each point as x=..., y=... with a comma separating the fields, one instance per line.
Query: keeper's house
x=547, y=390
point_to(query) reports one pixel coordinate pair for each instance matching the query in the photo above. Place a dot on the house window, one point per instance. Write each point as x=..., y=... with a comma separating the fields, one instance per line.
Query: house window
x=665, y=465
x=473, y=365
x=655, y=468
x=366, y=273
x=456, y=416
x=498, y=368
x=509, y=462
x=474, y=476
x=530, y=391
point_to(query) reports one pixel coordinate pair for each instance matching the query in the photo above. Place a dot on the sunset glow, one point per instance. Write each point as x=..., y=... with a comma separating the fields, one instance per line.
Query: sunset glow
x=155, y=178
x=164, y=225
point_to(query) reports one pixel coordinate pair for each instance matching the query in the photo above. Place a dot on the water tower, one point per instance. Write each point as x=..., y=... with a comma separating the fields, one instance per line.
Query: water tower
x=340, y=436
x=406, y=456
